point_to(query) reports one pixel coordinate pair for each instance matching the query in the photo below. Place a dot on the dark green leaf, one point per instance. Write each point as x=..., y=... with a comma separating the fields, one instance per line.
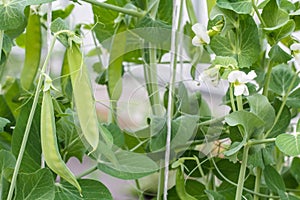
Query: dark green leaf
x=250, y=122
x=275, y=35
x=289, y=144
x=118, y=135
x=229, y=170
x=5, y=141
x=273, y=179
x=240, y=7
x=32, y=157
x=277, y=55
x=69, y=137
x=91, y=189
x=165, y=11
x=130, y=165
x=281, y=79
x=293, y=99
x=37, y=185
x=261, y=106
x=246, y=49
x=33, y=50
x=274, y=16
x=5, y=111
x=12, y=15
x=295, y=170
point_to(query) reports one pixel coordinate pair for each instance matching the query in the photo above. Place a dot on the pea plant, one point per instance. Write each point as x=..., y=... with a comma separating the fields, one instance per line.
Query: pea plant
x=250, y=47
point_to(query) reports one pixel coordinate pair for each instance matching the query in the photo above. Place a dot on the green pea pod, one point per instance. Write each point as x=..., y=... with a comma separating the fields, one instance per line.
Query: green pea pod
x=33, y=44
x=180, y=186
x=49, y=142
x=83, y=96
x=115, y=62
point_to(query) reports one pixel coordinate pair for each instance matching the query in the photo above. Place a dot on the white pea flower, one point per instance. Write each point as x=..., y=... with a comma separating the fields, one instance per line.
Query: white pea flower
x=239, y=79
x=296, y=51
x=210, y=75
x=202, y=36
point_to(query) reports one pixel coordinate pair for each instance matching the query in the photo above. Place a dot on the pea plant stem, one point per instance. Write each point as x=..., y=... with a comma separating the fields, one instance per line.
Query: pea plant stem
x=116, y=8
x=282, y=105
x=257, y=183
x=268, y=78
x=257, y=13
x=240, y=186
x=87, y=172
x=239, y=102
x=1, y=46
x=173, y=58
x=29, y=122
x=232, y=98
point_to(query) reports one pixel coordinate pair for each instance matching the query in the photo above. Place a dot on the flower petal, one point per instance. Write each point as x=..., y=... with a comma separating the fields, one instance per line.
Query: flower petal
x=240, y=89
x=196, y=41
x=295, y=47
x=235, y=76
x=201, y=33
x=197, y=28
x=251, y=75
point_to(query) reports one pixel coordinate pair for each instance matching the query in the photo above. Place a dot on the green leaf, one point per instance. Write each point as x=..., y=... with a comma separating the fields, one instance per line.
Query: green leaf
x=240, y=7
x=273, y=179
x=7, y=163
x=261, y=106
x=11, y=15
x=3, y=123
x=115, y=66
x=63, y=14
x=69, y=137
x=130, y=165
x=165, y=11
x=12, y=91
x=5, y=111
x=295, y=170
x=33, y=50
x=117, y=134
x=6, y=48
x=246, y=49
x=37, y=2
x=250, y=122
x=275, y=35
x=289, y=144
x=32, y=157
x=91, y=189
x=58, y=25
x=180, y=186
x=293, y=99
x=229, y=170
x=278, y=55
x=37, y=185
x=5, y=141
x=281, y=79
x=274, y=16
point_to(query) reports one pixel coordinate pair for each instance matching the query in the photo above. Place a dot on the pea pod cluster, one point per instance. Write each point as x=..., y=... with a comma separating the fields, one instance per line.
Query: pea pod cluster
x=49, y=142
x=83, y=96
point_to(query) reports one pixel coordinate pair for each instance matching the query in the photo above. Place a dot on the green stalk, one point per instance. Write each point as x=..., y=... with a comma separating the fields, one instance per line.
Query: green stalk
x=29, y=122
x=258, y=14
x=282, y=105
x=262, y=141
x=239, y=102
x=268, y=78
x=232, y=98
x=240, y=186
x=87, y=172
x=117, y=8
x=1, y=46
x=191, y=12
x=160, y=187
x=257, y=182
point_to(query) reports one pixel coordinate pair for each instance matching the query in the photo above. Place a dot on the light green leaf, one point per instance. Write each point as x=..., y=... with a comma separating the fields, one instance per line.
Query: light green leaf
x=293, y=99
x=58, y=25
x=246, y=49
x=3, y=123
x=295, y=169
x=68, y=136
x=274, y=16
x=281, y=79
x=130, y=165
x=278, y=55
x=33, y=50
x=64, y=13
x=289, y=144
x=276, y=34
x=250, y=122
x=32, y=157
x=273, y=179
x=91, y=189
x=12, y=15
x=165, y=11
x=117, y=134
x=261, y=106
x=7, y=163
x=240, y=7
x=37, y=185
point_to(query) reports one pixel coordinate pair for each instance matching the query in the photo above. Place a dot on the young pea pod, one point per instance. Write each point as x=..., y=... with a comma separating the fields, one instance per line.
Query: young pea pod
x=49, y=142
x=83, y=96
